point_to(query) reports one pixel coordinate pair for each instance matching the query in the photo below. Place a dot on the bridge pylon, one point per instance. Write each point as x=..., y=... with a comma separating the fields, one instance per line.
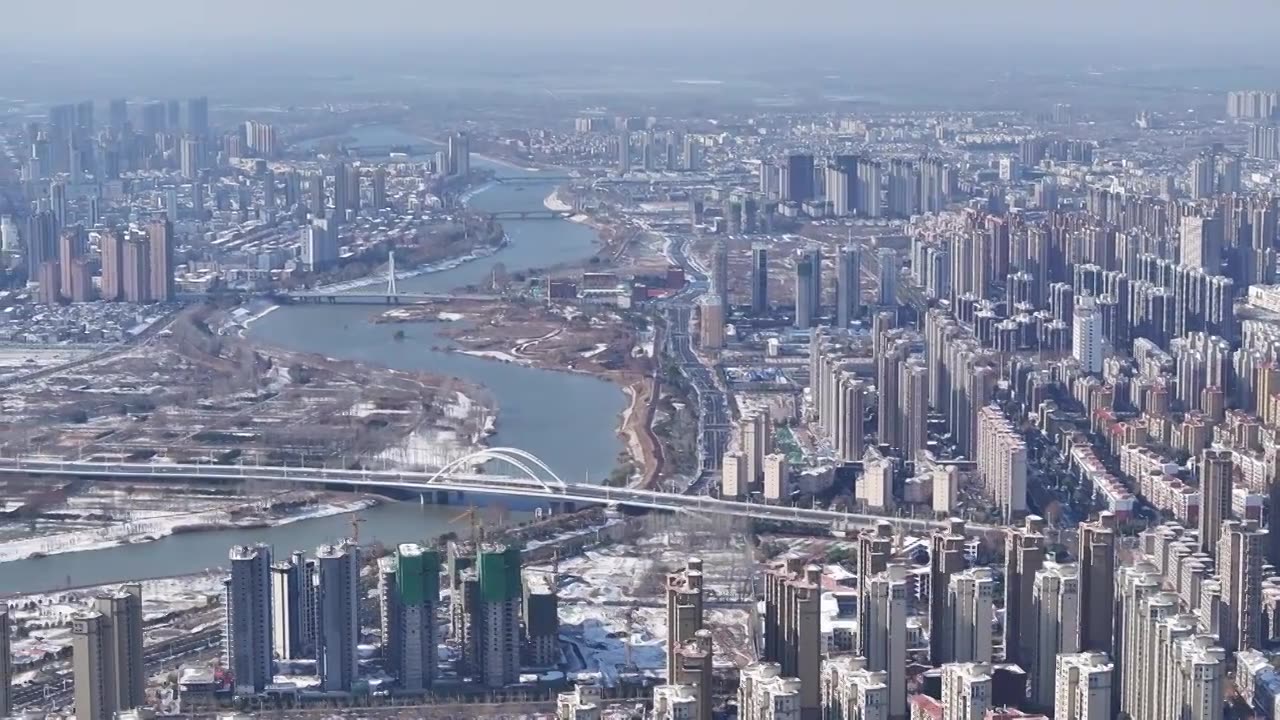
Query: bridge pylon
x=391, y=274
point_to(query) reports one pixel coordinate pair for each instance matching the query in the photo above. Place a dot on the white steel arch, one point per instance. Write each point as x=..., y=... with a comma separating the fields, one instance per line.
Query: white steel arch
x=514, y=457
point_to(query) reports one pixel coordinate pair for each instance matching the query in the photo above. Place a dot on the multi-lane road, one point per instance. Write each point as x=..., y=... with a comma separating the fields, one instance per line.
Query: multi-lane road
x=713, y=403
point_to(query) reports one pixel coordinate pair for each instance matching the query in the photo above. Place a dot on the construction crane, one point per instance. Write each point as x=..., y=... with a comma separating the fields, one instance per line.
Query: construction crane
x=473, y=515
x=356, y=521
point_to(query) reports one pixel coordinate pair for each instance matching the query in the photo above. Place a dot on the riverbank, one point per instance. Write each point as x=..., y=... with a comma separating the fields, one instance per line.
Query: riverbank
x=254, y=513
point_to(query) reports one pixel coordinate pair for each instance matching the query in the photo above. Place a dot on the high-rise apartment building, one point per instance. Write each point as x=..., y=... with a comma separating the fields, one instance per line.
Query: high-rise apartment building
x=884, y=624
x=913, y=392
x=850, y=691
x=1002, y=462
x=160, y=239
x=249, y=619
x=1215, y=471
x=1240, y=557
x=6, y=663
x=293, y=608
x=1086, y=335
x=733, y=475
x=693, y=670
x=93, y=667
x=887, y=294
x=581, y=703
x=777, y=477
x=720, y=272
x=136, y=266
x=337, y=615
x=765, y=694
x=107, y=655
x=848, y=285
x=684, y=609
x=1055, y=612
x=1096, y=571
x=496, y=620
x=946, y=558
x=410, y=624
x=792, y=626
x=1201, y=240
x=966, y=691
x=806, y=313
x=112, y=254
x=1082, y=688
x=971, y=616
x=759, y=280
x=799, y=178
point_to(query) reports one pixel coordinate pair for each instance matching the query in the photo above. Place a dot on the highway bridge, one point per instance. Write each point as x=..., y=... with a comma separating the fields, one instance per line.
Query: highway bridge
x=376, y=298
x=536, y=481
x=529, y=214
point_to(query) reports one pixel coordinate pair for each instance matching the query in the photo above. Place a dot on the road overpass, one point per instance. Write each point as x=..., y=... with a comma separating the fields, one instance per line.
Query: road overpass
x=456, y=479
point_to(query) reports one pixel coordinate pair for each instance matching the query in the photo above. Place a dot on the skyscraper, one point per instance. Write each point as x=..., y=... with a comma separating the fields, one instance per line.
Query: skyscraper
x=1215, y=471
x=70, y=248
x=412, y=626
x=1023, y=558
x=1002, y=462
x=805, y=312
x=966, y=691
x=624, y=152
x=1097, y=565
x=112, y=252
x=118, y=113
x=160, y=239
x=848, y=284
x=888, y=263
x=970, y=615
x=1055, y=607
x=1201, y=241
x=793, y=600
x=249, y=631
x=496, y=623
x=799, y=186
x=93, y=667
x=913, y=388
x=684, y=608
x=293, y=606
x=850, y=690
x=198, y=116
x=191, y=157
x=720, y=272
x=1086, y=335
x=1240, y=552
x=946, y=558
x=884, y=622
x=315, y=198
x=136, y=285
x=338, y=615
x=759, y=280
x=1082, y=690
x=379, y=188
x=460, y=154
x=6, y=664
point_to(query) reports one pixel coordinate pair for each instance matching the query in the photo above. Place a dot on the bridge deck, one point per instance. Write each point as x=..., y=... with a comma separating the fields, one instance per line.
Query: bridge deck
x=463, y=483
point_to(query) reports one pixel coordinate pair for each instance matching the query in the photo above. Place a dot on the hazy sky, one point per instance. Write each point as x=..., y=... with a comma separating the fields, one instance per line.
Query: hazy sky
x=126, y=27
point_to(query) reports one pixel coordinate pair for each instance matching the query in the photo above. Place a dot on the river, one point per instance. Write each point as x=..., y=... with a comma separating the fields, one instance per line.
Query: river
x=567, y=420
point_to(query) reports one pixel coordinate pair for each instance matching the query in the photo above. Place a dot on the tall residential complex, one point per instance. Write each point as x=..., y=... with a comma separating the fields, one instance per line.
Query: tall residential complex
x=293, y=608
x=793, y=637
x=495, y=620
x=971, y=617
x=684, y=608
x=966, y=691
x=409, y=616
x=1097, y=569
x=1055, y=609
x=851, y=690
x=1215, y=471
x=1002, y=462
x=337, y=615
x=884, y=626
x=1082, y=688
x=249, y=619
x=107, y=655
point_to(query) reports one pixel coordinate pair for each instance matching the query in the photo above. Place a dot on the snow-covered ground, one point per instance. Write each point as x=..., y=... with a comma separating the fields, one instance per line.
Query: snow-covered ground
x=495, y=355
x=610, y=609
x=147, y=529
x=45, y=617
